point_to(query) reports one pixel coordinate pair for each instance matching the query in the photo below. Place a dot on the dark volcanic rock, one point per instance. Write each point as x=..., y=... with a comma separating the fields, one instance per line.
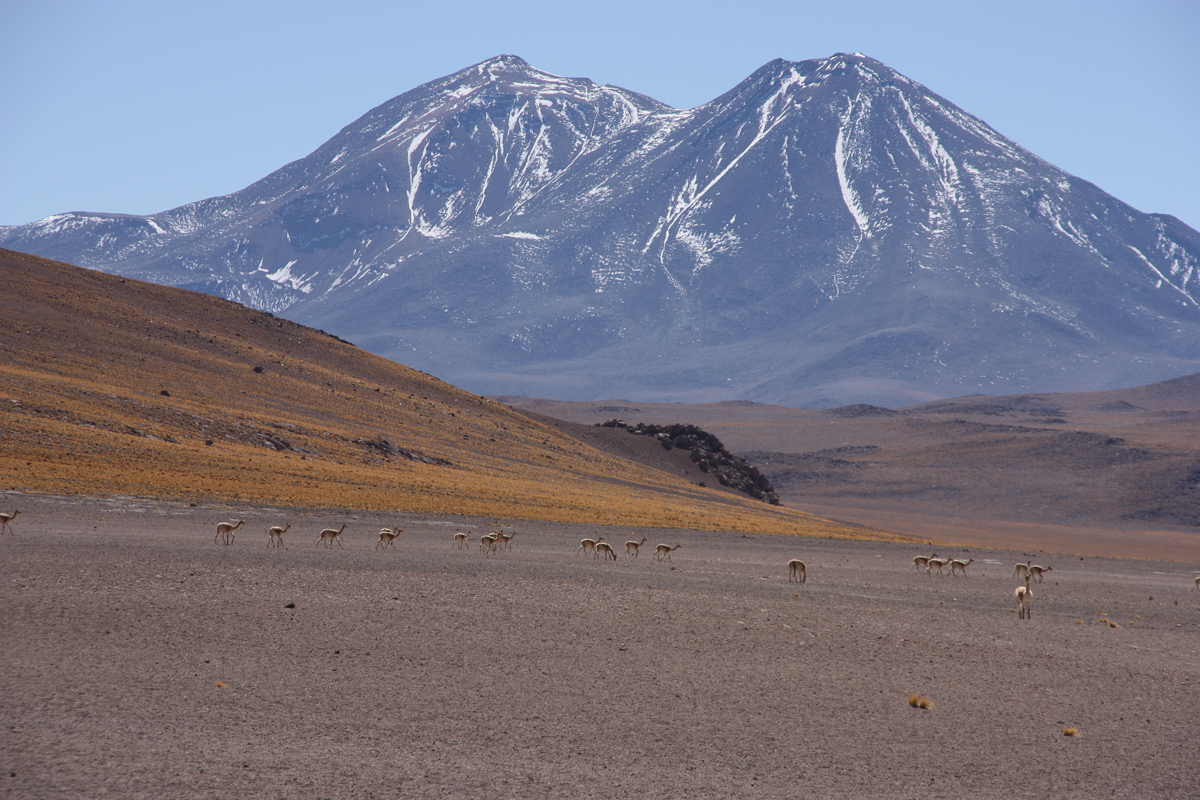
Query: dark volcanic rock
x=709, y=455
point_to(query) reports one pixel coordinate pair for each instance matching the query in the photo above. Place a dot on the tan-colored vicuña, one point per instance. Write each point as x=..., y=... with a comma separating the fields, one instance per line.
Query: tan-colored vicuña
x=958, y=565
x=936, y=563
x=225, y=531
x=7, y=518
x=797, y=571
x=603, y=549
x=1024, y=600
x=329, y=536
x=588, y=545
x=487, y=543
x=664, y=551
x=1020, y=569
x=503, y=539
x=387, y=536
x=275, y=535
x=460, y=540
x=922, y=561
x=1196, y=586
x=631, y=547
x=1036, y=572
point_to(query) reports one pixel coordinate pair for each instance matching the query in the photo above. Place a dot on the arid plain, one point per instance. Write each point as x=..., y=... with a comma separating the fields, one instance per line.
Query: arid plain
x=145, y=658
x=142, y=659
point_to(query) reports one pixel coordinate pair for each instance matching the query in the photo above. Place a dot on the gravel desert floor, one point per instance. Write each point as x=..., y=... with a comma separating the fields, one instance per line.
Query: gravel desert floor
x=143, y=659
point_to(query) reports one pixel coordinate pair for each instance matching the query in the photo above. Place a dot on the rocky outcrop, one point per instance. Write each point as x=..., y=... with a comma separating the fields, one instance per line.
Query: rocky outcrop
x=708, y=454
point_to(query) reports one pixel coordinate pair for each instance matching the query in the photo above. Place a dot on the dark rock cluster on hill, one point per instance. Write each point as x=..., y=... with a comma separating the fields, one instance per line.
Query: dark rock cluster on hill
x=708, y=454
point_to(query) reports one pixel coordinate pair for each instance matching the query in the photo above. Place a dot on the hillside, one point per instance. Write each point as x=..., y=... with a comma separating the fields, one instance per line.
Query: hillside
x=826, y=232
x=1114, y=472
x=113, y=386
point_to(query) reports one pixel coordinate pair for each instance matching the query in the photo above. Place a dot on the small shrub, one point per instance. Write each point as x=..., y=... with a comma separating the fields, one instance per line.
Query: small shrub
x=920, y=701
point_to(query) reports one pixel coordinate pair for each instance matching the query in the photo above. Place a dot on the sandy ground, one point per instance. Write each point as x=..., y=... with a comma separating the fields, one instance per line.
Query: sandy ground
x=143, y=660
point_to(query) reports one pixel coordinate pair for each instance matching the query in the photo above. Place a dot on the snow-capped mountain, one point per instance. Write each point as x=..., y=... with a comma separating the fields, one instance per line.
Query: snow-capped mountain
x=826, y=232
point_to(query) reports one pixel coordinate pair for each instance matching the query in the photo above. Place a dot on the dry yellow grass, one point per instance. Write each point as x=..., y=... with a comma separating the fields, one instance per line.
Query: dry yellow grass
x=113, y=386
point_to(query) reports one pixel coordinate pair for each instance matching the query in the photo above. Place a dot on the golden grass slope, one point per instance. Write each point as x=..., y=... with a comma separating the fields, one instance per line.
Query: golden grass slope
x=114, y=386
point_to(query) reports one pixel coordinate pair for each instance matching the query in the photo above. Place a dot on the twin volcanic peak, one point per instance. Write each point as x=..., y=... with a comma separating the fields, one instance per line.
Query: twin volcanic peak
x=826, y=232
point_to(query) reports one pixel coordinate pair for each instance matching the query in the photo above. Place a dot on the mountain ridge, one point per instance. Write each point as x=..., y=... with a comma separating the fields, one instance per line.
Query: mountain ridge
x=827, y=231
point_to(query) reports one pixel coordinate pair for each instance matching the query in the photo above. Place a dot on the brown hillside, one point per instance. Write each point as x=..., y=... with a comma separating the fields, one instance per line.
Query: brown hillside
x=114, y=386
x=1114, y=473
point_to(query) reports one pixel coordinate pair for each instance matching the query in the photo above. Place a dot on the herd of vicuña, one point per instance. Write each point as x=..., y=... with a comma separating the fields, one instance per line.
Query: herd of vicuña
x=500, y=540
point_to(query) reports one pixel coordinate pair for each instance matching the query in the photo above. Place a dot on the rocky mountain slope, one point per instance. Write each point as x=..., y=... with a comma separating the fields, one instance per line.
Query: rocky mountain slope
x=826, y=232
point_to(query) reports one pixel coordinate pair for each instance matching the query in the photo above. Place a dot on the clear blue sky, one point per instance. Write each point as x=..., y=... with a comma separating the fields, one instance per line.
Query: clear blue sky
x=138, y=107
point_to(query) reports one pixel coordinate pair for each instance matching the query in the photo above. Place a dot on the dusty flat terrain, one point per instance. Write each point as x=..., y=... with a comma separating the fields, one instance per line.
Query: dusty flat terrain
x=143, y=660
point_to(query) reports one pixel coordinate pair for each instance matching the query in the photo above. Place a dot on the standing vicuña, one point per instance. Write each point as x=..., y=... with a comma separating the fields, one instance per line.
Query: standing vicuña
x=797, y=571
x=275, y=535
x=487, y=543
x=960, y=565
x=329, y=536
x=588, y=545
x=387, y=536
x=225, y=531
x=460, y=540
x=664, y=551
x=1024, y=600
x=1036, y=572
x=936, y=563
x=1021, y=569
x=631, y=547
x=7, y=518
x=603, y=549
x=922, y=561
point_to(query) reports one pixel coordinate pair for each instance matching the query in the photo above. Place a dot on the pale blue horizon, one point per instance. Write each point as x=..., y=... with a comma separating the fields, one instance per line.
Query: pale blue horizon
x=139, y=107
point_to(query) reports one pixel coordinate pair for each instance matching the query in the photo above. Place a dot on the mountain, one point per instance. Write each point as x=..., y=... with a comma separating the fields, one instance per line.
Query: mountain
x=114, y=386
x=826, y=232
